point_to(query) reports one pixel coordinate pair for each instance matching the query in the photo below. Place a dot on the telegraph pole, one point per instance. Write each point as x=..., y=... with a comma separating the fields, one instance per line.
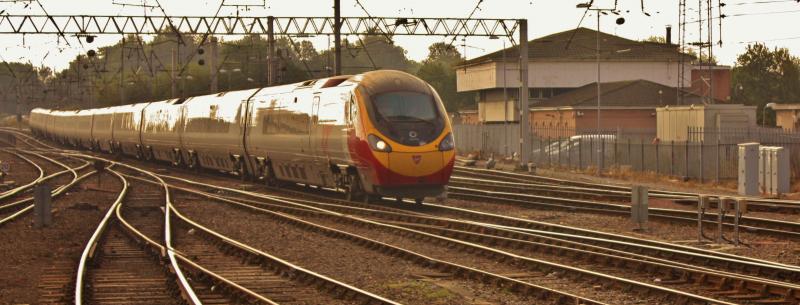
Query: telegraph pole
x=271, y=55
x=213, y=66
x=337, y=39
x=122, y=72
x=524, y=112
x=172, y=72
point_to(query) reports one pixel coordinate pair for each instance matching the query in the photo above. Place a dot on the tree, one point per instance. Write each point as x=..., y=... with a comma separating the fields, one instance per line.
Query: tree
x=656, y=39
x=764, y=76
x=438, y=69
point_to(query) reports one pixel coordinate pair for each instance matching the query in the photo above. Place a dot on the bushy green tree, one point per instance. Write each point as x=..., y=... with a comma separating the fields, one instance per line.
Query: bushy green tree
x=438, y=69
x=764, y=76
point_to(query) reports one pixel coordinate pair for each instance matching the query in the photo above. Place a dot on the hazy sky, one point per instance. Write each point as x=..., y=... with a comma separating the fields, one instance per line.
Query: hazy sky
x=773, y=22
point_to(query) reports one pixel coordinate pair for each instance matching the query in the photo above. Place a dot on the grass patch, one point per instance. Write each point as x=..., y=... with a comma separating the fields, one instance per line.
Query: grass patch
x=426, y=292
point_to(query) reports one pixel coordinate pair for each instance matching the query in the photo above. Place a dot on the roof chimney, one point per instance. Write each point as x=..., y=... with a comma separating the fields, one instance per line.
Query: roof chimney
x=669, y=34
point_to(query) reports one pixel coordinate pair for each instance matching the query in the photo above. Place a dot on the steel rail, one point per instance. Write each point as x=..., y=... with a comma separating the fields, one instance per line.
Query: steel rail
x=29, y=199
x=517, y=223
x=479, y=248
x=220, y=279
x=89, y=251
x=55, y=193
x=669, y=249
x=688, y=272
x=460, y=270
x=766, y=204
x=751, y=224
x=21, y=188
x=162, y=250
x=186, y=289
x=28, y=137
x=564, y=189
x=275, y=261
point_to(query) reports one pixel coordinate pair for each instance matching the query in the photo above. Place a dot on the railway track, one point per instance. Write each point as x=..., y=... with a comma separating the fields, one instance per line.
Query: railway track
x=302, y=209
x=779, y=228
x=583, y=251
x=28, y=185
x=613, y=191
x=18, y=207
x=206, y=267
x=731, y=285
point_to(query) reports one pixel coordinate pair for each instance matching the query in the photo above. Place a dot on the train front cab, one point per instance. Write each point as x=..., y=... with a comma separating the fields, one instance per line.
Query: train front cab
x=406, y=149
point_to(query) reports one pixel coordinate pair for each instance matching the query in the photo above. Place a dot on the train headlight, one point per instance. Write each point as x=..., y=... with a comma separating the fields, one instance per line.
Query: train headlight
x=447, y=143
x=378, y=144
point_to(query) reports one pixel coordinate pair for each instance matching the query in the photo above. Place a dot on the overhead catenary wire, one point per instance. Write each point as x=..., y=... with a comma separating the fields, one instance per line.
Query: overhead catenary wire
x=389, y=37
x=571, y=37
x=475, y=9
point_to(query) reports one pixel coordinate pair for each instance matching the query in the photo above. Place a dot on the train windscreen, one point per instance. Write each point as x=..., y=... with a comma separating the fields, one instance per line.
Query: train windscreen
x=410, y=118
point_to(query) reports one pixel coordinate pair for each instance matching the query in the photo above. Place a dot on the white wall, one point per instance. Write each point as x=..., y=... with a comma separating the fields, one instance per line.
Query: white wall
x=552, y=74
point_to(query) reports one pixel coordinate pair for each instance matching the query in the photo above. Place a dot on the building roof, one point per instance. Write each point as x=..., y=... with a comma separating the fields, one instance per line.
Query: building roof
x=634, y=93
x=580, y=45
x=786, y=106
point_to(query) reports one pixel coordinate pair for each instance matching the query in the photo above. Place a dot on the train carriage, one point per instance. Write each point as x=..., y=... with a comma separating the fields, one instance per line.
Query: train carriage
x=277, y=138
x=36, y=121
x=162, y=127
x=213, y=135
x=102, y=131
x=49, y=125
x=381, y=133
x=127, y=125
x=60, y=128
x=82, y=129
x=404, y=145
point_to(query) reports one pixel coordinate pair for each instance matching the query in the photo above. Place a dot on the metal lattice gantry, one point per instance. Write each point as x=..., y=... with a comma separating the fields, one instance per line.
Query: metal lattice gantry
x=299, y=26
x=95, y=25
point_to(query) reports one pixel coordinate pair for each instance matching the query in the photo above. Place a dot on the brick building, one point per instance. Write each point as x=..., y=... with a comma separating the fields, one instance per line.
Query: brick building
x=624, y=105
x=565, y=61
x=787, y=116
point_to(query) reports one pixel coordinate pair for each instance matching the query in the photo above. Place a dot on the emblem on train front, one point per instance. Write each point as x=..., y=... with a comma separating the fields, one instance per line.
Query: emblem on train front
x=416, y=158
x=412, y=134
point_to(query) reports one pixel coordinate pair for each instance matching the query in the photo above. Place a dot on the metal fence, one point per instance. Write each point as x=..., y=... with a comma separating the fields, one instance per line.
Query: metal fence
x=637, y=150
x=764, y=135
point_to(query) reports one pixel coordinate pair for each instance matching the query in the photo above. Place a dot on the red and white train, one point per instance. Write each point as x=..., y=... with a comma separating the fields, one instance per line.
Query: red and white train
x=380, y=133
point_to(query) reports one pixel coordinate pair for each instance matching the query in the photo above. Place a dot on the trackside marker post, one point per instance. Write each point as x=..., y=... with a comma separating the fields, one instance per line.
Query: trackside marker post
x=702, y=204
x=639, y=206
x=43, y=216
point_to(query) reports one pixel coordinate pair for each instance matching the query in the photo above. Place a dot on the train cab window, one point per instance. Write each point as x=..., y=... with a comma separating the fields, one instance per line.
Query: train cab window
x=333, y=82
x=352, y=110
x=411, y=118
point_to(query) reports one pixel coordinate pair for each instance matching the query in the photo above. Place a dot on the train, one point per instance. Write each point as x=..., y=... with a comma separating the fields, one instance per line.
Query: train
x=382, y=133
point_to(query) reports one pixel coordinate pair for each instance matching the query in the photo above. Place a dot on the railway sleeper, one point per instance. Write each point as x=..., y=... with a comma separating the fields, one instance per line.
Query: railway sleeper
x=444, y=267
x=527, y=264
x=406, y=232
x=673, y=278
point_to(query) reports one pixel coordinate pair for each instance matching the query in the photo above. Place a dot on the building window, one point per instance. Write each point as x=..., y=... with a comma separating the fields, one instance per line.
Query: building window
x=544, y=93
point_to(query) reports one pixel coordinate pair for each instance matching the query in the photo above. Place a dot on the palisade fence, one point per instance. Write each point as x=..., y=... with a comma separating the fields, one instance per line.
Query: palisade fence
x=708, y=155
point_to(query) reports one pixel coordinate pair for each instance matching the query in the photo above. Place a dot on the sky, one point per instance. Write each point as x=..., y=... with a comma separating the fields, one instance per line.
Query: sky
x=773, y=22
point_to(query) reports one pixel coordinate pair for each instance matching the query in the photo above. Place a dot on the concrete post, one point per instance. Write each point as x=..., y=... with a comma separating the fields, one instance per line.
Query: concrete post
x=173, y=84
x=271, y=52
x=741, y=208
x=702, y=204
x=524, y=124
x=212, y=65
x=337, y=38
x=41, y=205
x=702, y=164
x=639, y=206
x=722, y=207
x=121, y=73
